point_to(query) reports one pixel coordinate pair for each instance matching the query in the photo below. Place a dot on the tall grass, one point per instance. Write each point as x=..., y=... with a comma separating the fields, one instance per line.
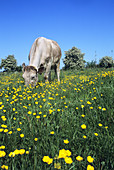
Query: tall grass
x=66, y=125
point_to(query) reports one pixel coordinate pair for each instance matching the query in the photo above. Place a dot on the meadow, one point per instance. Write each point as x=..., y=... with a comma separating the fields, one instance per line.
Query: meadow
x=66, y=125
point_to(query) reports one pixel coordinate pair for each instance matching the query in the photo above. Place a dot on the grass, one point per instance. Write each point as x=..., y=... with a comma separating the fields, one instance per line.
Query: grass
x=66, y=125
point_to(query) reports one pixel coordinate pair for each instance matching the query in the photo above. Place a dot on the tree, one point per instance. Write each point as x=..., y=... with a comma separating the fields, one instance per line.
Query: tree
x=91, y=64
x=74, y=59
x=106, y=62
x=19, y=68
x=9, y=64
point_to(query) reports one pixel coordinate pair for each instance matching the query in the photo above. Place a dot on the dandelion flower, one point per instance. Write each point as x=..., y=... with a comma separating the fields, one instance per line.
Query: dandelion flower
x=4, y=167
x=106, y=127
x=6, y=130
x=66, y=141
x=82, y=106
x=29, y=112
x=79, y=158
x=88, y=102
x=27, y=152
x=11, y=154
x=47, y=159
x=64, y=153
x=83, y=115
x=2, y=154
x=84, y=137
x=22, y=151
x=96, y=134
x=21, y=135
x=103, y=109
x=89, y=167
x=100, y=124
x=2, y=147
x=10, y=132
x=83, y=126
x=68, y=160
x=52, y=132
x=18, y=129
x=37, y=117
x=36, y=139
x=1, y=130
x=90, y=159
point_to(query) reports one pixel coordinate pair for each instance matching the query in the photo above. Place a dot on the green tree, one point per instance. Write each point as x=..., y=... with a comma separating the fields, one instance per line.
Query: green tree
x=106, y=62
x=9, y=64
x=91, y=64
x=74, y=59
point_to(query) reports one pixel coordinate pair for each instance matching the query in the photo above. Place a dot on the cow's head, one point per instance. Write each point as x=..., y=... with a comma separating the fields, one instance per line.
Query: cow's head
x=30, y=75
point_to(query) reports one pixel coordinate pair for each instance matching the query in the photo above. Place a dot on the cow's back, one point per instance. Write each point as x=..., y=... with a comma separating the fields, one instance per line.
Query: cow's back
x=42, y=49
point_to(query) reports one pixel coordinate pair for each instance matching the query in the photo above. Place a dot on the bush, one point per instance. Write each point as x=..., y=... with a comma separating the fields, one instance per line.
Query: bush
x=106, y=62
x=74, y=59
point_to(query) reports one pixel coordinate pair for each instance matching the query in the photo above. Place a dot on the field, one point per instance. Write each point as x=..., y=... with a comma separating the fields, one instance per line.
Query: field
x=66, y=125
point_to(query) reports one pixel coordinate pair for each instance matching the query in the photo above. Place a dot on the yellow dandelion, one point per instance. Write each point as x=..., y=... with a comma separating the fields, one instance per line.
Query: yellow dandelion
x=84, y=137
x=83, y=126
x=100, y=124
x=96, y=134
x=82, y=106
x=6, y=130
x=106, y=127
x=22, y=151
x=90, y=159
x=66, y=141
x=52, y=132
x=1, y=130
x=2, y=154
x=79, y=158
x=36, y=139
x=18, y=129
x=38, y=117
x=83, y=115
x=27, y=152
x=68, y=160
x=89, y=167
x=4, y=167
x=21, y=135
x=103, y=109
x=29, y=112
x=10, y=132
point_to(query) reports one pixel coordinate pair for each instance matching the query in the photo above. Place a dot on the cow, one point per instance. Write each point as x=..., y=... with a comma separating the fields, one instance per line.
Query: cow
x=44, y=55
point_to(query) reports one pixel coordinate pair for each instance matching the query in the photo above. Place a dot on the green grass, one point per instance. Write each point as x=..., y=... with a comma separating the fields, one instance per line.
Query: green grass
x=82, y=97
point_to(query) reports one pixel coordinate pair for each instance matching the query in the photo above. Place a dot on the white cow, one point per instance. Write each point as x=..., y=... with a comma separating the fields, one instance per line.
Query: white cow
x=44, y=55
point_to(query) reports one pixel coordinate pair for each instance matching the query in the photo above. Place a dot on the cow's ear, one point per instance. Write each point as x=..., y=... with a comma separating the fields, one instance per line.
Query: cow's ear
x=23, y=66
x=41, y=70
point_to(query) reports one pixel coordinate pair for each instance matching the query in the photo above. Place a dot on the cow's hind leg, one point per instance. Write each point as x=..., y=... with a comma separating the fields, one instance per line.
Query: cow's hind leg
x=58, y=71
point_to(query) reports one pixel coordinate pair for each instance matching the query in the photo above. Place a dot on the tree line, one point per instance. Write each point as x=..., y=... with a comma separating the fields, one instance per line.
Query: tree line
x=74, y=59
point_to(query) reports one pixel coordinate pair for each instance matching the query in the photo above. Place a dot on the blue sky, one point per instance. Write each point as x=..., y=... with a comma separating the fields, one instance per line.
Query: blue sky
x=86, y=24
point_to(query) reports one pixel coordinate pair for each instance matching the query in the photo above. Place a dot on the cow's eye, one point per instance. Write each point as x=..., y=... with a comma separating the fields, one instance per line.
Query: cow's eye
x=33, y=77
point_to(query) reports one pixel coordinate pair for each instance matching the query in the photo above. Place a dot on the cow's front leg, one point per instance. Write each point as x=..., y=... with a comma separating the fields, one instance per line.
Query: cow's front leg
x=47, y=75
